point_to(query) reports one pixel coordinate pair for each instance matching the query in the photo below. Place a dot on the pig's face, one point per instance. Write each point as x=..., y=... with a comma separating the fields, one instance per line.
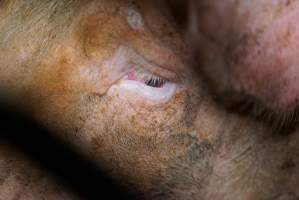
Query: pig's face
x=252, y=47
x=116, y=81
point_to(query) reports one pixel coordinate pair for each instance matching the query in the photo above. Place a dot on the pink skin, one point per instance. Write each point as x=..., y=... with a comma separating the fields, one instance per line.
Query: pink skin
x=172, y=142
x=132, y=76
x=258, y=41
x=271, y=69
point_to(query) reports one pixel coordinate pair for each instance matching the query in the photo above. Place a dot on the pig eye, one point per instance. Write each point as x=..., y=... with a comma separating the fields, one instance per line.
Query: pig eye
x=146, y=78
x=155, y=82
x=141, y=84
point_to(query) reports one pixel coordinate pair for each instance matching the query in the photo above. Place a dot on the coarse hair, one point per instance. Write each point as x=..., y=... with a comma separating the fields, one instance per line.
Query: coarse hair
x=35, y=23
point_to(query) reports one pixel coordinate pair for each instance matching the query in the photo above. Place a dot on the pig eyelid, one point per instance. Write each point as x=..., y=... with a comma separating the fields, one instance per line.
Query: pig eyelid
x=147, y=78
x=155, y=69
x=143, y=80
x=152, y=95
x=132, y=60
x=169, y=76
x=153, y=89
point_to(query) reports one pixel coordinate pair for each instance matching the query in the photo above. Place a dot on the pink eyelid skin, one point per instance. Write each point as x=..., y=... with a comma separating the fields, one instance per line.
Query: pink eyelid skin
x=123, y=62
x=138, y=89
x=125, y=59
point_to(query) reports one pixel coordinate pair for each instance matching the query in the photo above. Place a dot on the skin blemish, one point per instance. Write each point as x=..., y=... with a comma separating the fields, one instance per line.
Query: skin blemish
x=132, y=76
x=134, y=19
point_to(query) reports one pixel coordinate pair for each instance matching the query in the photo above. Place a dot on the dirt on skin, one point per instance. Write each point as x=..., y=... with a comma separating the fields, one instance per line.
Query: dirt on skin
x=247, y=53
x=186, y=148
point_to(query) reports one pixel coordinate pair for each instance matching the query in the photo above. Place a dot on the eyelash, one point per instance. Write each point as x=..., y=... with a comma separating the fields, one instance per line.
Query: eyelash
x=152, y=88
x=156, y=82
x=148, y=78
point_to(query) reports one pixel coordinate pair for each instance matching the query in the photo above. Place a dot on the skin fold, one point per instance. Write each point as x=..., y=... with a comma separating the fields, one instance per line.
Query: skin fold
x=78, y=64
x=248, y=53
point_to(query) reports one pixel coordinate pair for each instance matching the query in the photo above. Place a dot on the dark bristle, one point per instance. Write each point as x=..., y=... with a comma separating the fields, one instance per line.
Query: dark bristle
x=155, y=82
x=280, y=122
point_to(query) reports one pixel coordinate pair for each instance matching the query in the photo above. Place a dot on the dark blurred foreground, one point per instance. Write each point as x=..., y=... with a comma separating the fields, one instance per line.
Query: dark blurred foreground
x=79, y=174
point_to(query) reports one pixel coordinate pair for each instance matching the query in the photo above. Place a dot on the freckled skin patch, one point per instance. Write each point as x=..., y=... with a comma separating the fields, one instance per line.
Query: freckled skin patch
x=188, y=147
x=256, y=65
x=181, y=170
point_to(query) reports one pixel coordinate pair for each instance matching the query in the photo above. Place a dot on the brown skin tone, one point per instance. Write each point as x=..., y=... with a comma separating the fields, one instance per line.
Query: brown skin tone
x=184, y=147
x=21, y=178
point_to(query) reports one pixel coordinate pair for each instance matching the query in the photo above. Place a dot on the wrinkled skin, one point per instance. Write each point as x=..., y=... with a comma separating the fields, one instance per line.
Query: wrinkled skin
x=248, y=53
x=181, y=146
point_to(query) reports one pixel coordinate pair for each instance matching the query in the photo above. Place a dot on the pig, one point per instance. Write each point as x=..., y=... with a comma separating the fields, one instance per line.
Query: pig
x=248, y=54
x=115, y=79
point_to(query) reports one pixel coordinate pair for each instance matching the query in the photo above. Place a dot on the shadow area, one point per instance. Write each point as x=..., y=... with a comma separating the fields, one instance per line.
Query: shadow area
x=76, y=172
